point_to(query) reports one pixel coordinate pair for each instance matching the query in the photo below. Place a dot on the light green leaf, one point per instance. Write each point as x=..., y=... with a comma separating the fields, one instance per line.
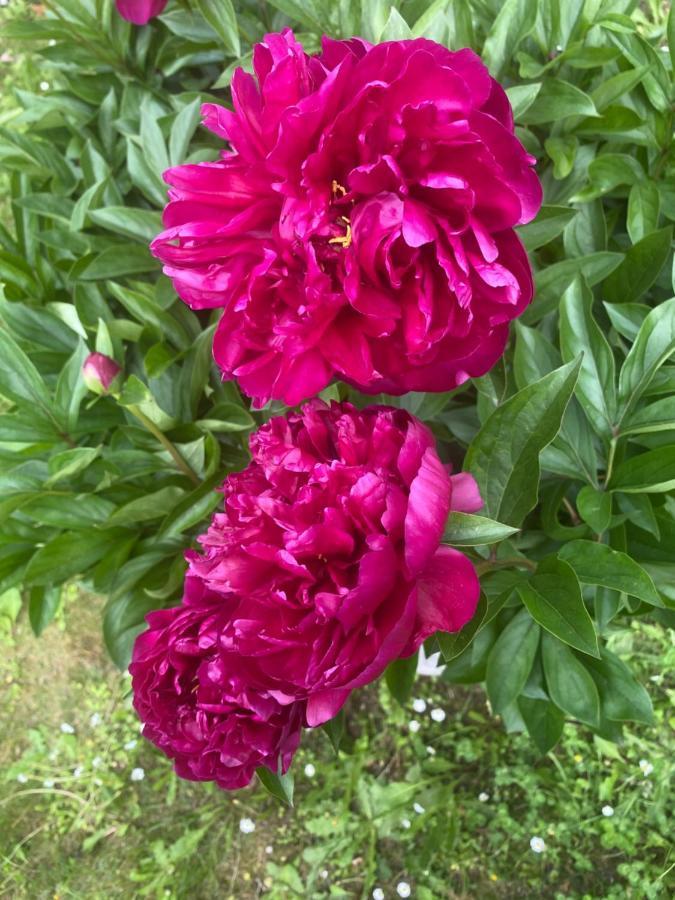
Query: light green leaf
x=514, y=22
x=223, y=19
x=554, y=279
x=550, y=222
x=558, y=100
x=467, y=530
x=139, y=224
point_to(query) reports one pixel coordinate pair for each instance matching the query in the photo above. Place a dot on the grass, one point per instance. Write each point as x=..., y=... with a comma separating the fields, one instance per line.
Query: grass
x=75, y=822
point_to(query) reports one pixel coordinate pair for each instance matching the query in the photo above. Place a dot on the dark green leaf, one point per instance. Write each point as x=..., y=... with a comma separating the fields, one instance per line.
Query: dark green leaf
x=596, y=563
x=553, y=598
x=569, y=684
x=279, y=786
x=644, y=203
x=554, y=279
x=400, y=677
x=511, y=659
x=623, y=697
x=43, y=603
x=549, y=224
x=68, y=554
x=451, y=645
x=544, y=722
x=335, y=729
x=652, y=472
x=640, y=268
x=654, y=343
x=504, y=456
x=595, y=508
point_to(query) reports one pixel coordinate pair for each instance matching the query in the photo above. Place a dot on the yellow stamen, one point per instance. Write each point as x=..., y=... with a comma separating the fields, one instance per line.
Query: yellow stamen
x=336, y=187
x=344, y=239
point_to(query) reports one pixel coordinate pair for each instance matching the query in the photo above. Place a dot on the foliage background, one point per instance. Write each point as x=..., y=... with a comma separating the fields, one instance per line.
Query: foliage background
x=95, y=111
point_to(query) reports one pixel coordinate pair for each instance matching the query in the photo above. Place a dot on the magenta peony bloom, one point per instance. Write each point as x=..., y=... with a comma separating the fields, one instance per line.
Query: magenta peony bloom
x=362, y=225
x=196, y=703
x=100, y=373
x=140, y=11
x=327, y=553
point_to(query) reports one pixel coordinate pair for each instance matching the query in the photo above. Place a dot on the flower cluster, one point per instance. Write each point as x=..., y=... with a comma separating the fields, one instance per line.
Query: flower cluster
x=362, y=225
x=323, y=566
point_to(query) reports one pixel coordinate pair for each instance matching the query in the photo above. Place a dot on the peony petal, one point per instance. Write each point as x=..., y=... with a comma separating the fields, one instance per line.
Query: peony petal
x=465, y=494
x=428, y=509
x=447, y=595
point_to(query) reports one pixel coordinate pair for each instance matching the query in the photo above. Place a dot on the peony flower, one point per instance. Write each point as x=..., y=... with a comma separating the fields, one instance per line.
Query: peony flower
x=326, y=553
x=196, y=704
x=361, y=227
x=140, y=11
x=100, y=373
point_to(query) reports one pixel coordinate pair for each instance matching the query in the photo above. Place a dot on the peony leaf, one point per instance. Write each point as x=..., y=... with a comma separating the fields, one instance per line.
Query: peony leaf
x=279, y=786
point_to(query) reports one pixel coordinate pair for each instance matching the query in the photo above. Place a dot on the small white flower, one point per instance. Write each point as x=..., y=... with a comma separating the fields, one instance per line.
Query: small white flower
x=21, y=778
x=419, y=705
x=428, y=665
x=419, y=809
x=324, y=874
x=537, y=844
x=247, y=826
x=431, y=751
x=438, y=714
x=483, y=797
x=44, y=85
x=4, y=2
x=378, y=894
x=95, y=720
x=51, y=42
x=130, y=744
x=52, y=756
x=403, y=889
x=66, y=728
x=646, y=767
x=269, y=849
x=310, y=771
x=137, y=774
x=405, y=823
x=608, y=810
x=48, y=783
x=414, y=726
x=96, y=762
x=77, y=771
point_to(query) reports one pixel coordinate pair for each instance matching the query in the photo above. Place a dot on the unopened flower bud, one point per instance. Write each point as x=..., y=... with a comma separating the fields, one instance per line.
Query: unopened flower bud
x=101, y=373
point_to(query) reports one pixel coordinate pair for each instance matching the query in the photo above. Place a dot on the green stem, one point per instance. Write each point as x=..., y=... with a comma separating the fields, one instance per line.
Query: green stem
x=610, y=459
x=166, y=443
x=489, y=565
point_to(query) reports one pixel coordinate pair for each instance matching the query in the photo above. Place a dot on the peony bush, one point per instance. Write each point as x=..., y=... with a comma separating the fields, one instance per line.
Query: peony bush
x=361, y=217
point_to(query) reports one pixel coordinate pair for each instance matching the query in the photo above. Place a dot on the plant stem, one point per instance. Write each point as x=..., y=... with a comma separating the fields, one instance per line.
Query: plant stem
x=489, y=565
x=166, y=443
x=610, y=459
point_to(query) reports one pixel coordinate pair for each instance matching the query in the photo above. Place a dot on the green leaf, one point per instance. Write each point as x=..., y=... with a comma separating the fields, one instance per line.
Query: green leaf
x=521, y=97
x=654, y=343
x=544, y=722
x=19, y=379
x=557, y=100
x=553, y=598
x=70, y=462
x=658, y=416
x=504, y=456
x=467, y=530
x=514, y=22
x=43, y=603
x=670, y=33
x=123, y=621
x=617, y=87
x=400, y=677
x=627, y=318
x=596, y=563
x=121, y=259
x=550, y=222
x=569, y=684
x=595, y=508
x=623, y=697
x=223, y=19
x=139, y=224
x=563, y=151
x=644, y=205
x=279, y=786
x=640, y=268
x=579, y=333
x=335, y=729
x=152, y=505
x=511, y=660
x=451, y=645
x=71, y=511
x=66, y=555
x=652, y=472
x=554, y=279
x=182, y=130
x=396, y=28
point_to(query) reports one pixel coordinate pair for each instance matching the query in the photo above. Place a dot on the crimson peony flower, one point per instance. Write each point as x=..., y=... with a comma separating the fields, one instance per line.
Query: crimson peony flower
x=326, y=554
x=100, y=373
x=362, y=225
x=196, y=703
x=140, y=11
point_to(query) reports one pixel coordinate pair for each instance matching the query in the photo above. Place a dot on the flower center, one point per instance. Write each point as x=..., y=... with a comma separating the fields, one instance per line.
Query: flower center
x=345, y=239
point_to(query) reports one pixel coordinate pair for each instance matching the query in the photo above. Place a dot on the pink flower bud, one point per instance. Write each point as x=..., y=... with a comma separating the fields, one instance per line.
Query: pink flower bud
x=140, y=11
x=100, y=373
